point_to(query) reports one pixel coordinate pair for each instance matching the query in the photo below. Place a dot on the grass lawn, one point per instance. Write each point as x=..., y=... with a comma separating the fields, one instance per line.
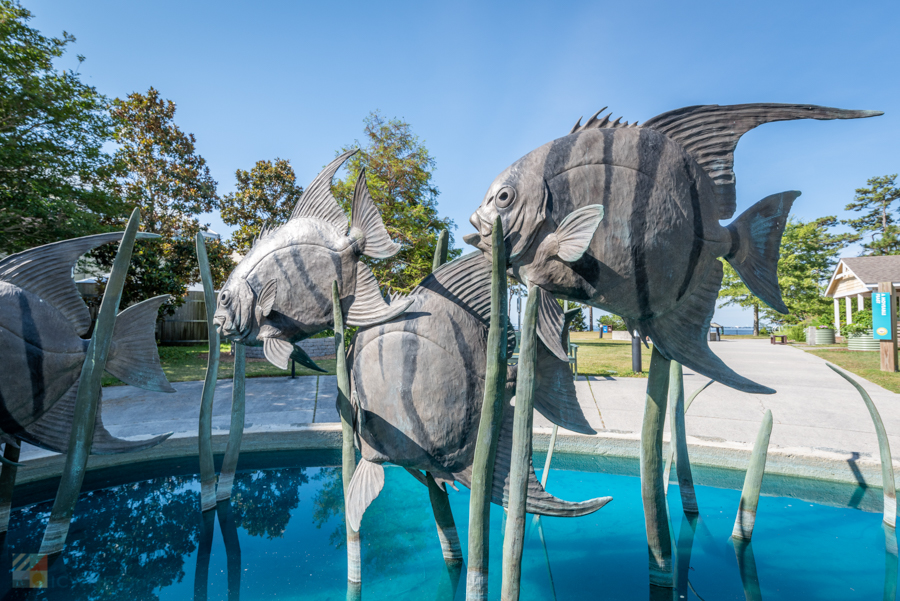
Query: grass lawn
x=185, y=363
x=862, y=363
x=606, y=357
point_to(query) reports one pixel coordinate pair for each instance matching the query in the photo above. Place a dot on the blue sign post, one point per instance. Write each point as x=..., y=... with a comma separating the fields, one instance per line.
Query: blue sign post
x=882, y=316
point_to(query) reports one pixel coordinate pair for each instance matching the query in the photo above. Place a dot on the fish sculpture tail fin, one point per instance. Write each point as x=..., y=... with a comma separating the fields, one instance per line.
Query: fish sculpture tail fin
x=133, y=357
x=682, y=335
x=365, y=486
x=366, y=223
x=538, y=500
x=755, y=243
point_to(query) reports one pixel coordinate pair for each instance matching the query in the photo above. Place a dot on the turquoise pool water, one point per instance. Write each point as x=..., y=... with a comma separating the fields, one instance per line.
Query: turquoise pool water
x=282, y=537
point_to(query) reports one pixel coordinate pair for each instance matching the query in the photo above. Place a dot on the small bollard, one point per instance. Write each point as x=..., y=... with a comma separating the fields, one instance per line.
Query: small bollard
x=636, y=352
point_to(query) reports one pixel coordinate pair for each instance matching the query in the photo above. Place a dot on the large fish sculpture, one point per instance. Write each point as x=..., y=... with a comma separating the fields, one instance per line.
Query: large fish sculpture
x=654, y=260
x=280, y=292
x=418, y=387
x=42, y=323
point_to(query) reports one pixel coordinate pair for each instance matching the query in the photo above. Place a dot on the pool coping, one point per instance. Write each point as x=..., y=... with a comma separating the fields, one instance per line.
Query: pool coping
x=817, y=464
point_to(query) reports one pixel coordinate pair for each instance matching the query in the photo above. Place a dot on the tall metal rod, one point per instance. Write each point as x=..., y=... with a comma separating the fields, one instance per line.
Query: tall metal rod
x=236, y=430
x=746, y=515
x=8, y=483
x=884, y=449
x=678, y=439
x=204, y=438
x=549, y=458
x=671, y=455
x=659, y=542
x=441, y=250
x=348, y=450
x=443, y=519
x=514, y=539
x=88, y=396
x=488, y=427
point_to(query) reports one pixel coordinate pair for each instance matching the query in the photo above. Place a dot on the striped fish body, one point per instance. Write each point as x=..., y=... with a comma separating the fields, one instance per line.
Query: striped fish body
x=303, y=257
x=41, y=350
x=419, y=384
x=660, y=235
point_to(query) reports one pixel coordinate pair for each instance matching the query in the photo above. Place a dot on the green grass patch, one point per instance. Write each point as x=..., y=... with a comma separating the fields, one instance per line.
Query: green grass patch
x=187, y=363
x=862, y=363
x=605, y=357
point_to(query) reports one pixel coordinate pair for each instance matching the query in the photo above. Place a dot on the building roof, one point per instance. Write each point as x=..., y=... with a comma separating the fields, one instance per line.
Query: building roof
x=866, y=272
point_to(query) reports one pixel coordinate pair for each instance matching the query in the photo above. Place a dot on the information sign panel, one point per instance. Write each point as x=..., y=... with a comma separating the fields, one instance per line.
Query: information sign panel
x=881, y=316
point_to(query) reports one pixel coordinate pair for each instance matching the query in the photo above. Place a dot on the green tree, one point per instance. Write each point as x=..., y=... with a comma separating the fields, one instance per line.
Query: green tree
x=613, y=321
x=877, y=203
x=809, y=254
x=54, y=175
x=162, y=174
x=399, y=173
x=265, y=196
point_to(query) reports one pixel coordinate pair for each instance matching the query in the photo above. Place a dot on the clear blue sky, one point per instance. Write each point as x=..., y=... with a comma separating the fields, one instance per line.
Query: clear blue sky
x=484, y=83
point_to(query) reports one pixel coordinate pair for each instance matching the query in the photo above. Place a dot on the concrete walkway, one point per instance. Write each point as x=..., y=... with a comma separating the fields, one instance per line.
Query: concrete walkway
x=815, y=411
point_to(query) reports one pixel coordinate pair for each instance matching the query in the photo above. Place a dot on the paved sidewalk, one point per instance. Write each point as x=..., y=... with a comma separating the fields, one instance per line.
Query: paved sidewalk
x=814, y=409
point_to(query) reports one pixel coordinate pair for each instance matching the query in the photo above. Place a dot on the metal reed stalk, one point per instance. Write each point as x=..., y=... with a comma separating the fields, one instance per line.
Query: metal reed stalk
x=88, y=398
x=669, y=458
x=443, y=518
x=488, y=427
x=659, y=542
x=207, y=466
x=8, y=483
x=348, y=450
x=440, y=251
x=236, y=430
x=514, y=539
x=884, y=448
x=746, y=515
x=678, y=439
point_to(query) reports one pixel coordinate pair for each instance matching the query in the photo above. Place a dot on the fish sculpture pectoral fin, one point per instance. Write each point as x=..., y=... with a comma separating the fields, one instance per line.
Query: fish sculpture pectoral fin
x=573, y=236
x=366, y=223
x=682, y=335
x=300, y=356
x=365, y=486
x=266, y=301
x=278, y=352
x=133, y=357
x=755, y=244
x=368, y=307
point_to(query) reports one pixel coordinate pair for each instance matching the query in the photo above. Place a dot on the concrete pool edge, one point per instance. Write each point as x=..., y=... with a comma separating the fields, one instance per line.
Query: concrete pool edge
x=816, y=464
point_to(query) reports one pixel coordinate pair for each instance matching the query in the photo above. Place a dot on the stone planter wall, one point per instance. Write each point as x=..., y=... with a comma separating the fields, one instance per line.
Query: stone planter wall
x=314, y=347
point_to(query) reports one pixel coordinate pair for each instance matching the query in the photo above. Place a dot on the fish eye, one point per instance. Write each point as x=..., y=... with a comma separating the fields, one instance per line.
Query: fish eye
x=224, y=298
x=505, y=196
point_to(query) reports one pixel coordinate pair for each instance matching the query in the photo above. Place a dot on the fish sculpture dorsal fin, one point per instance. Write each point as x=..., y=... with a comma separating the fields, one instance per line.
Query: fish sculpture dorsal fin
x=366, y=223
x=710, y=133
x=368, y=307
x=317, y=201
x=596, y=122
x=466, y=282
x=551, y=324
x=46, y=271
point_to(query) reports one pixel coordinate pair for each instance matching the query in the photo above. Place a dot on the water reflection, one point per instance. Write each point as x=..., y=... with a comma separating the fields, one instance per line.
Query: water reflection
x=890, y=563
x=743, y=550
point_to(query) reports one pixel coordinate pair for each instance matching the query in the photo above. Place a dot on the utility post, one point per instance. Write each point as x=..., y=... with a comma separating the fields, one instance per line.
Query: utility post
x=884, y=324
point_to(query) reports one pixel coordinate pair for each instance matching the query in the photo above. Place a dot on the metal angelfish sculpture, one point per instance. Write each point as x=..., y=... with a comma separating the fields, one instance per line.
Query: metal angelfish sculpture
x=280, y=293
x=42, y=321
x=655, y=259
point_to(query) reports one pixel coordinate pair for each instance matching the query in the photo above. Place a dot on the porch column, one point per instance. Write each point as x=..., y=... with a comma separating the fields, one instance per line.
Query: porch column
x=849, y=310
x=837, y=315
x=860, y=302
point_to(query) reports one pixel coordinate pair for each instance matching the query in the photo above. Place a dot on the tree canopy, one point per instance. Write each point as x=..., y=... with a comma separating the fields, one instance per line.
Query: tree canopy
x=54, y=174
x=265, y=195
x=399, y=174
x=877, y=224
x=163, y=175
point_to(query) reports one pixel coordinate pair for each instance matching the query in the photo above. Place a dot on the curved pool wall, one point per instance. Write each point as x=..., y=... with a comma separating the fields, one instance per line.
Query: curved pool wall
x=138, y=534
x=801, y=463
